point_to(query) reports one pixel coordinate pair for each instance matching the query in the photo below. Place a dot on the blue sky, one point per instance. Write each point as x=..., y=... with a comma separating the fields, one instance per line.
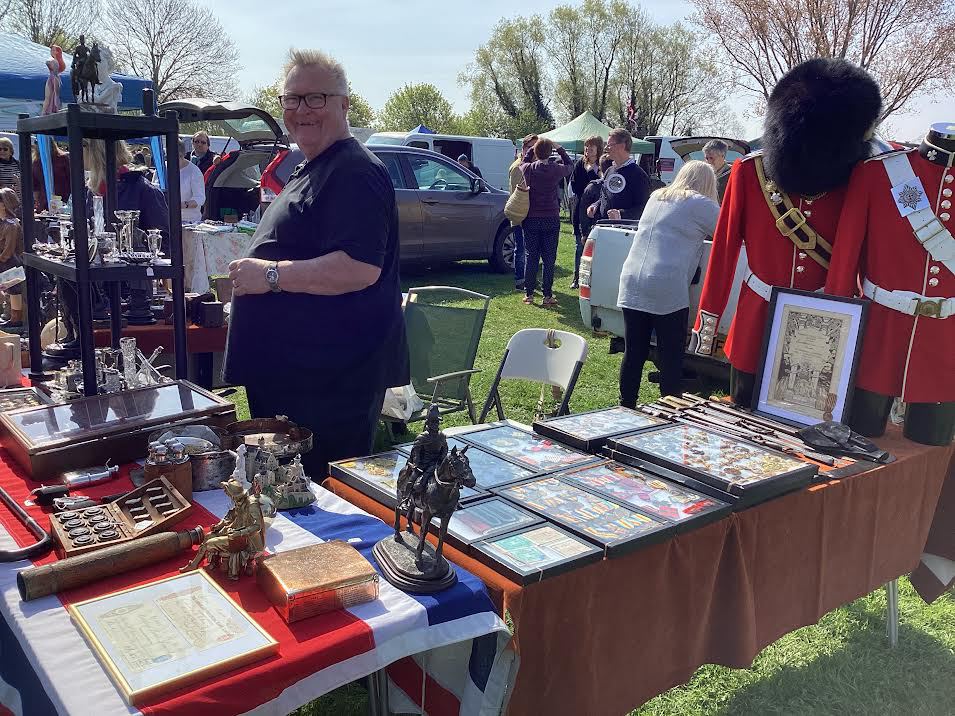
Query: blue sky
x=385, y=44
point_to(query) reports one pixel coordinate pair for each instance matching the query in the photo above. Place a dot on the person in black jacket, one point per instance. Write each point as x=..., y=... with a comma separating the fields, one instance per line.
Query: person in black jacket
x=591, y=195
x=626, y=187
x=585, y=171
x=202, y=155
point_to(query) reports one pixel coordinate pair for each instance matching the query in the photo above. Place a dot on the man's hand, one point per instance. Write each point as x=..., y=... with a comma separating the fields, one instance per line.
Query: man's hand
x=613, y=214
x=592, y=210
x=189, y=204
x=248, y=276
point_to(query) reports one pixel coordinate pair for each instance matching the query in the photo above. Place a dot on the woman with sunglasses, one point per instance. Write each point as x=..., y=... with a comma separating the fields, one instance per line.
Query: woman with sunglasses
x=201, y=155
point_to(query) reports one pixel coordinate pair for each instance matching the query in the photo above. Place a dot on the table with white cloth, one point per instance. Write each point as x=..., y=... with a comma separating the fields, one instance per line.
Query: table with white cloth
x=445, y=653
x=207, y=254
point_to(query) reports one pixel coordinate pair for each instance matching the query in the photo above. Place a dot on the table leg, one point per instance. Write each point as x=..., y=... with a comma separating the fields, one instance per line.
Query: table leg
x=378, y=694
x=892, y=612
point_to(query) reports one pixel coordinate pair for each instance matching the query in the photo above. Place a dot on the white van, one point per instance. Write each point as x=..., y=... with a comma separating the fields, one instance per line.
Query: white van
x=492, y=156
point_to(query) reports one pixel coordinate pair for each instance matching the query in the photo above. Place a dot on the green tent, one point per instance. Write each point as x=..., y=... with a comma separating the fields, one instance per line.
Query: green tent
x=573, y=135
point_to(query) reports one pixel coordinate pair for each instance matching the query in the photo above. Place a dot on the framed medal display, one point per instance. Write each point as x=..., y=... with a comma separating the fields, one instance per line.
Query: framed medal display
x=613, y=526
x=534, y=452
x=376, y=476
x=811, y=348
x=734, y=466
x=484, y=519
x=649, y=493
x=589, y=431
x=535, y=553
x=489, y=470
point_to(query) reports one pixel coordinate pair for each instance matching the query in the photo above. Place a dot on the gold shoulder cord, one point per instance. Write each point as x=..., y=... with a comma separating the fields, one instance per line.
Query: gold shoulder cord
x=791, y=222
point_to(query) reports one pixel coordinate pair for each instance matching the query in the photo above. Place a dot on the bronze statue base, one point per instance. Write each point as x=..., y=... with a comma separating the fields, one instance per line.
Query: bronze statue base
x=400, y=567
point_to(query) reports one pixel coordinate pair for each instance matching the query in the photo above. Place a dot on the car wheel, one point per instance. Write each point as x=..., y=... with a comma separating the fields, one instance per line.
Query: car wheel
x=502, y=260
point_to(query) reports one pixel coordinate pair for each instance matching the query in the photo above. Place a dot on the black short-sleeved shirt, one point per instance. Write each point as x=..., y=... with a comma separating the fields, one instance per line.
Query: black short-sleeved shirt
x=342, y=200
x=626, y=188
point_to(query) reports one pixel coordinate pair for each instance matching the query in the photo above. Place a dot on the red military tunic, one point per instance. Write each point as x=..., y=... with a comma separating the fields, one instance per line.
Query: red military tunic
x=902, y=355
x=746, y=219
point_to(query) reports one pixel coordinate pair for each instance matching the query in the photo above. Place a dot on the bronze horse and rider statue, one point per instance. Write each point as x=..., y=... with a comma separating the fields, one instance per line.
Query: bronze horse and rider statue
x=84, y=72
x=429, y=486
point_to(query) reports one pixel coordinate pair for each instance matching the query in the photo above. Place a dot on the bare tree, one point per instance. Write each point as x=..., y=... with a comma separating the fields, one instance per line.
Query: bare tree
x=177, y=44
x=48, y=22
x=672, y=87
x=907, y=45
x=605, y=28
x=567, y=45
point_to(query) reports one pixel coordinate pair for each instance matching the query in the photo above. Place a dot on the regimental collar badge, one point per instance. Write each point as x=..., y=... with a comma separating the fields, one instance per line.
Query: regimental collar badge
x=774, y=195
x=931, y=154
x=936, y=155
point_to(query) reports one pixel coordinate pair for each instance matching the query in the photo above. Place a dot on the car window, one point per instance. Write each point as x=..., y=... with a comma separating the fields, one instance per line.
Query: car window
x=419, y=144
x=438, y=176
x=394, y=169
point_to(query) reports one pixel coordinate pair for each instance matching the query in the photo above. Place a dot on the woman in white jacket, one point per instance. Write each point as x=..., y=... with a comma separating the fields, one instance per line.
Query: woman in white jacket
x=655, y=279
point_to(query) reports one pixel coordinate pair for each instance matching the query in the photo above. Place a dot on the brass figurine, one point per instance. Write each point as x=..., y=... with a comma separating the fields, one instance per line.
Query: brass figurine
x=236, y=544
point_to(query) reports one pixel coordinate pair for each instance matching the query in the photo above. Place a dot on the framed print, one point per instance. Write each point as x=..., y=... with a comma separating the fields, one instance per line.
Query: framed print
x=648, y=492
x=486, y=518
x=810, y=351
x=615, y=527
x=536, y=453
x=376, y=476
x=489, y=470
x=166, y=634
x=535, y=553
x=589, y=431
x=730, y=465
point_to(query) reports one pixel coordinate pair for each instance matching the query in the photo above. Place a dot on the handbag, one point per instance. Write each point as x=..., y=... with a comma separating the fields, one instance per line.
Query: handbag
x=518, y=203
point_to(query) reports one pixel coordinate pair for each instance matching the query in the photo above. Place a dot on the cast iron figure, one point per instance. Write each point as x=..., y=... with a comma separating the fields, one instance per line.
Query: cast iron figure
x=237, y=541
x=440, y=498
x=429, y=450
x=429, y=485
x=80, y=53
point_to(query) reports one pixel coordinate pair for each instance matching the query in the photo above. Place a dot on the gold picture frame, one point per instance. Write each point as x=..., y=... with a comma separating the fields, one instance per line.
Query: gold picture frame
x=148, y=648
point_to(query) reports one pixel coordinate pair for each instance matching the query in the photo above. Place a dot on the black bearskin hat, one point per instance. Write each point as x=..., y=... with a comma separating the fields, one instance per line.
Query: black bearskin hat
x=817, y=121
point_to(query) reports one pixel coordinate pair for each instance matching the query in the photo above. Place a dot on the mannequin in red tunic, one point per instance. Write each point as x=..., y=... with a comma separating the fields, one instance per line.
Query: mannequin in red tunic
x=908, y=347
x=818, y=119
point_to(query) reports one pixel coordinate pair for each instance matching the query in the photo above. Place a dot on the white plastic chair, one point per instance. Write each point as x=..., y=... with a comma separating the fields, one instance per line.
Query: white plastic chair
x=529, y=356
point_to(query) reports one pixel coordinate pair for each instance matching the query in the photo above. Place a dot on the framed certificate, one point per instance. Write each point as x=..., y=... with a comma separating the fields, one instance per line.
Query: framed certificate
x=810, y=352
x=161, y=636
x=589, y=431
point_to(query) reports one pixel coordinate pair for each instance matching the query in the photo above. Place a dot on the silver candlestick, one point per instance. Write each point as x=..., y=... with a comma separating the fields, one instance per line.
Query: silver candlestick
x=127, y=347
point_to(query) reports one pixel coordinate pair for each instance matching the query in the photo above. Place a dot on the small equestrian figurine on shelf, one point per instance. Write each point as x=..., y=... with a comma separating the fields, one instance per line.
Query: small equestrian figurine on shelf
x=429, y=486
x=237, y=542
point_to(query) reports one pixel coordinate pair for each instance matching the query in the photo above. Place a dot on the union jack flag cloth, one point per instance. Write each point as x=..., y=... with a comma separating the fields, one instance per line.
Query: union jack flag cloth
x=444, y=654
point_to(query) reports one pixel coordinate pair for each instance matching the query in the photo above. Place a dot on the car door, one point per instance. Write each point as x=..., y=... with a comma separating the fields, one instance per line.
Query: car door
x=455, y=220
x=409, y=208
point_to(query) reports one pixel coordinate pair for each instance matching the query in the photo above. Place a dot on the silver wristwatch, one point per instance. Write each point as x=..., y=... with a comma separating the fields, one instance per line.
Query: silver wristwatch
x=272, y=277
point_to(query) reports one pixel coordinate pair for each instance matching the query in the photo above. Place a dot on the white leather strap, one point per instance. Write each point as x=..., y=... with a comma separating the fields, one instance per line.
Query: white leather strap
x=928, y=230
x=759, y=287
x=909, y=302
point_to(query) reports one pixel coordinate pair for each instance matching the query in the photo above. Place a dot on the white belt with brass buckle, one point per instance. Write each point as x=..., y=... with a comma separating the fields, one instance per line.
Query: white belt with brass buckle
x=909, y=302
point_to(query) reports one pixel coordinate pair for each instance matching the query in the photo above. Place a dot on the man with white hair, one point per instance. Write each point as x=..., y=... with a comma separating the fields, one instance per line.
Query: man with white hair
x=714, y=154
x=317, y=331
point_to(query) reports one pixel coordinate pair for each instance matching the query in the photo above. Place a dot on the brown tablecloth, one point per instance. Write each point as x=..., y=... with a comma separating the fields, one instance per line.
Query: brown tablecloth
x=608, y=637
x=935, y=574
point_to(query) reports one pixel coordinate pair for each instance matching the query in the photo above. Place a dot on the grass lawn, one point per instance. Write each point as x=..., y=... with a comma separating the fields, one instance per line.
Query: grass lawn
x=841, y=666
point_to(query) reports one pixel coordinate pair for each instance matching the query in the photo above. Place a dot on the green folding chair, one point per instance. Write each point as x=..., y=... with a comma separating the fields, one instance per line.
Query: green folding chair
x=444, y=326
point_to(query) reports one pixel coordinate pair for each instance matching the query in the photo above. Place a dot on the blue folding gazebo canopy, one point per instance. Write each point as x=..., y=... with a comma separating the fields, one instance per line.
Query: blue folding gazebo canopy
x=23, y=74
